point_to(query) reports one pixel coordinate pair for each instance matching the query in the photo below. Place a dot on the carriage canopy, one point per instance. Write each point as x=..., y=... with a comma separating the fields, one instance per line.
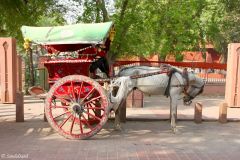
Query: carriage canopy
x=88, y=33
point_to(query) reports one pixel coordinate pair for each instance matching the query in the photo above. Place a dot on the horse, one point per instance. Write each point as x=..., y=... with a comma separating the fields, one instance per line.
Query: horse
x=164, y=80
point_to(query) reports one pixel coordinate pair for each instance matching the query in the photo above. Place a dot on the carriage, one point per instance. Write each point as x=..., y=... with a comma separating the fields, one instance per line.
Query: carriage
x=77, y=104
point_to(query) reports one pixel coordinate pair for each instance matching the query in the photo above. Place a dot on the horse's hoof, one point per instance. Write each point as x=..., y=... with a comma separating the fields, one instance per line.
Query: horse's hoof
x=118, y=128
x=174, y=130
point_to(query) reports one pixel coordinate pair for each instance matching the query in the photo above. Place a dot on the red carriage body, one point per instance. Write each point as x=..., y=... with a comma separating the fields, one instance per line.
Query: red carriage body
x=76, y=106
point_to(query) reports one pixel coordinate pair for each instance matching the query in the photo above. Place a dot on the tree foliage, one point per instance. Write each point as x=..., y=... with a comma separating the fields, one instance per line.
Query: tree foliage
x=169, y=26
x=16, y=13
x=222, y=23
x=164, y=27
x=142, y=27
x=94, y=11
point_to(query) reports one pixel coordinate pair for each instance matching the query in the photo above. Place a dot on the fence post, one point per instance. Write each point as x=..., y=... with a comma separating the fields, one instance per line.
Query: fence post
x=19, y=93
x=19, y=107
x=44, y=118
x=198, y=113
x=135, y=99
x=223, y=113
x=122, y=111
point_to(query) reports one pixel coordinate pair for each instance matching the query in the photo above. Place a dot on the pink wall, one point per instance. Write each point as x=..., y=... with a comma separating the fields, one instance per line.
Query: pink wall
x=232, y=94
x=8, y=74
x=214, y=90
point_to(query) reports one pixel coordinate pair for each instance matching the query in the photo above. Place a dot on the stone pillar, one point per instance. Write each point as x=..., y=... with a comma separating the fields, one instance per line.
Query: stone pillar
x=223, y=113
x=232, y=90
x=19, y=93
x=135, y=99
x=19, y=107
x=8, y=70
x=122, y=112
x=198, y=113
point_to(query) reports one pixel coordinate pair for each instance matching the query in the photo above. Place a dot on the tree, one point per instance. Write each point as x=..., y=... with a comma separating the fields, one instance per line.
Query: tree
x=16, y=13
x=222, y=24
x=164, y=27
x=94, y=11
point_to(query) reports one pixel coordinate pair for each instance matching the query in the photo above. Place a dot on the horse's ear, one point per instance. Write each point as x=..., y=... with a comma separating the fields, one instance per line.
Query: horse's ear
x=186, y=75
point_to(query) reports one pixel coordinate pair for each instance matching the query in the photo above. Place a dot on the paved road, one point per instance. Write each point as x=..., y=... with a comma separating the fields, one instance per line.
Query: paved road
x=139, y=140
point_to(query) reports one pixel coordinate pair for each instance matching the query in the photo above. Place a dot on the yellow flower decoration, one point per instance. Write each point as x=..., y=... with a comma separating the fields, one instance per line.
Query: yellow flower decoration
x=27, y=44
x=111, y=34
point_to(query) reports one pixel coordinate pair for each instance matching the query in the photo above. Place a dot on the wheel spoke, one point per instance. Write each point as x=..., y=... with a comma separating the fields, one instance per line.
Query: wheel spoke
x=92, y=103
x=66, y=107
x=61, y=125
x=93, y=116
x=89, y=126
x=91, y=107
x=88, y=114
x=88, y=94
x=97, y=111
x=61, y=114
x=64, y=96
x=53, y=102
x=72, y=125
x=80, y=124
x=72, y=91
x=93, y=99
x=79, y=93
x=63, y=99
x=95, y=108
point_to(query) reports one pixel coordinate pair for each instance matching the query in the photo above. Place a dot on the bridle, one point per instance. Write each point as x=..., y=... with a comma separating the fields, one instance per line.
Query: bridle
x=187, y=99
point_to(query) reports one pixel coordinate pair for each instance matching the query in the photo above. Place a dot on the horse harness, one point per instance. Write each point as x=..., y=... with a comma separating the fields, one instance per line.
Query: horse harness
x=170, y=71
x=184, y=75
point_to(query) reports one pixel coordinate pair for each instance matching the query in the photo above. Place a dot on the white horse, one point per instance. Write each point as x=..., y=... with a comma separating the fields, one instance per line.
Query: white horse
x=164, y=80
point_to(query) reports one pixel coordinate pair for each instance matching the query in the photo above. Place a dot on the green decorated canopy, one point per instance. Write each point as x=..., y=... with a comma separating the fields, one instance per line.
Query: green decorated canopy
x=90, y=33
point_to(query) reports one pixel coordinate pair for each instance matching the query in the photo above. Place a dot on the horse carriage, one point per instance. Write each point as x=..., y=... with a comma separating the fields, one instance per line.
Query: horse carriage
x=77, y=104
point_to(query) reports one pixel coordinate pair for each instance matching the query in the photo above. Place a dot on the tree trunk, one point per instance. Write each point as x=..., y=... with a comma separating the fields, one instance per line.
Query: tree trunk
x=31, y=69
x=123, y=30
x=104, y=11
x=97, y=11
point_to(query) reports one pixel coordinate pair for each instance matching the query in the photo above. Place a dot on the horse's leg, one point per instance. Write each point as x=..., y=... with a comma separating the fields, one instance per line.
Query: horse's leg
x=174, y=94
x=173, y=115
x=170, y=115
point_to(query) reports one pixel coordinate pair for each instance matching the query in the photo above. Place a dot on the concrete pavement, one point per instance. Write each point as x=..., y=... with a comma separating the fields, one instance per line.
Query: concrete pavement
x=139, y=140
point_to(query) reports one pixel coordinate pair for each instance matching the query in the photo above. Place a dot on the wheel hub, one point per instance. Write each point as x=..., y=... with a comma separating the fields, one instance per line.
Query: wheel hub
x=77, y=108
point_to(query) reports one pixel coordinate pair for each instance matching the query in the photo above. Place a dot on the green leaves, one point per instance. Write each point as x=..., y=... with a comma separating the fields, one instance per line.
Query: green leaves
x=142, y=27
x=16, y=13
x=163, y=27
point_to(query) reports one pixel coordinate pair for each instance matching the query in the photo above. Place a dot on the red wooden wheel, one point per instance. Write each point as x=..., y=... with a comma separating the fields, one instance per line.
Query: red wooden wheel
x=76, y=107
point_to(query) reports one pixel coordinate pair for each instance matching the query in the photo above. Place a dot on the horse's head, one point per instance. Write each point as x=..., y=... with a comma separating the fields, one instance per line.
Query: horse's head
x=194, y=87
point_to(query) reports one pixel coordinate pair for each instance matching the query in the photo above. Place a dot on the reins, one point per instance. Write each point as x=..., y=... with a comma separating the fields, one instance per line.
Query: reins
x=148, y=74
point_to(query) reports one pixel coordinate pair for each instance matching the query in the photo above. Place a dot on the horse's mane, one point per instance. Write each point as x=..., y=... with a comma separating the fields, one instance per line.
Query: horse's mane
x=161, y=67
